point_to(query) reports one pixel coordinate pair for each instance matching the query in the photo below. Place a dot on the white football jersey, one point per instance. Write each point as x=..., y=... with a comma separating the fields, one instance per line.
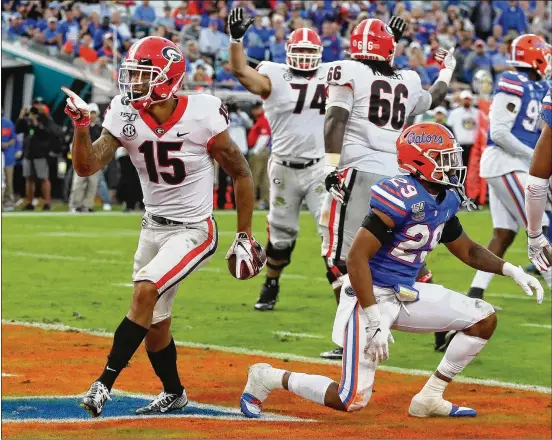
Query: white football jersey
x=295, y=111
x=381, y=107
x=172, y=159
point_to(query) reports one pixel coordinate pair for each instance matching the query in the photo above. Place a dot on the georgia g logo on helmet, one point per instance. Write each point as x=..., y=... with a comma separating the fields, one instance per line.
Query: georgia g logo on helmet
x=171, y=54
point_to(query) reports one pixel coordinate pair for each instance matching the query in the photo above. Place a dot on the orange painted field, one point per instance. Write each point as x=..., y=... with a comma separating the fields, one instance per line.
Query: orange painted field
x=38, y=362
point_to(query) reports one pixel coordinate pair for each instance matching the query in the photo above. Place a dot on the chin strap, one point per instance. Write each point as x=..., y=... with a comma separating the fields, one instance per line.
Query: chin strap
x=467, y=203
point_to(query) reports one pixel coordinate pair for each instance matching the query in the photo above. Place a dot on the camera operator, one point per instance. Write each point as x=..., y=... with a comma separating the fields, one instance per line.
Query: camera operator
x=41, y=135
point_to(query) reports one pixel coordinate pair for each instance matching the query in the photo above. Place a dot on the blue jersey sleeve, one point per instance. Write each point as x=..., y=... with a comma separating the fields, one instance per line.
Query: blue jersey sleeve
x=509, y=83
x=386, y=198
x=546, y=111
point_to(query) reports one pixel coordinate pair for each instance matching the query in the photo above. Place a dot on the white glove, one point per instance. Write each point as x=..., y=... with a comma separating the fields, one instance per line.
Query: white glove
x=250, y=257
x=377, y=343
x=76, y=108
x=377, y=336
x=537, y=247
x=527, y=282
x=447, y=62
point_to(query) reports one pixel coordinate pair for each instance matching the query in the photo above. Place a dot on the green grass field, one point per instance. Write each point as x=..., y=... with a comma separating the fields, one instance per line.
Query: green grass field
x=73, y=270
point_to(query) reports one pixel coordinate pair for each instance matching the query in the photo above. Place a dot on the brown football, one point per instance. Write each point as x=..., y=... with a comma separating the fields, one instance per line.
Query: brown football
x=245, y=273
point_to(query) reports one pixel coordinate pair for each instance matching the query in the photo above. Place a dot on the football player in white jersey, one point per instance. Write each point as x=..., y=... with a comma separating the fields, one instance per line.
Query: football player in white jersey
x=172, y=142
x=294, y=101
x=514, y=128
x=368, y=104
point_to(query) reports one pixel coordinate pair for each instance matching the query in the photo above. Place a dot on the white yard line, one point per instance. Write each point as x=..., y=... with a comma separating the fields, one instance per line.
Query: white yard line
x=548, y=326
x=292, y=357
x=297, y=335
x=9, y=375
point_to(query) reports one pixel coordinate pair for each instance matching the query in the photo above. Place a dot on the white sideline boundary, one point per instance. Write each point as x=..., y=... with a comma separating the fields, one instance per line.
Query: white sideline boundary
x=292, y=357
x=548, y=326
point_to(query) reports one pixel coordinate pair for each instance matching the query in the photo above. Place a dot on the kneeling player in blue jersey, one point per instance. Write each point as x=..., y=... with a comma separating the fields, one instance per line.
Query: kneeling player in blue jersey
x=409, y=216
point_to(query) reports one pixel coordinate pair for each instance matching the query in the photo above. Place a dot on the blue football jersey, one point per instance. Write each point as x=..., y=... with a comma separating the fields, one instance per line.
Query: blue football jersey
x=527, y=127
x=419, y=223
x=546, y=110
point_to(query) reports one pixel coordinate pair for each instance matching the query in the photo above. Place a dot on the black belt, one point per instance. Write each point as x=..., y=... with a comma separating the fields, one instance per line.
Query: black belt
x=298, y=165
x=165, y=221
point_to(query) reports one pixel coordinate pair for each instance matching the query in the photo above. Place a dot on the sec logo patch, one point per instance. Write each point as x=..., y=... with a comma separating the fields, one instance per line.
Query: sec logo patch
x=129, y=132
x=349, y=291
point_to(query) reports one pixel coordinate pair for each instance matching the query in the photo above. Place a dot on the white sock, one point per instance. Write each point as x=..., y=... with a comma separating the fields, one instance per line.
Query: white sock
x=273, y=378
x=460, y=352
x=482, y=280
x=434, y=387
x=309, y=386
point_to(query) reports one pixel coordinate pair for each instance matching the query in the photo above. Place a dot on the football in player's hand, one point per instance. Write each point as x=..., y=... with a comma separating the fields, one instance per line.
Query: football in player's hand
x=246, y=258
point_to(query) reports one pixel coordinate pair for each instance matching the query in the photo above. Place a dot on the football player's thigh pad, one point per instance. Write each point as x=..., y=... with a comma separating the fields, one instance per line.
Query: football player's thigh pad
x=441, y=309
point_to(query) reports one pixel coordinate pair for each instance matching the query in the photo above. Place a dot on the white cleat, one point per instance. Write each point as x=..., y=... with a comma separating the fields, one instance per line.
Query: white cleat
x=422, y=406
x=255, y=391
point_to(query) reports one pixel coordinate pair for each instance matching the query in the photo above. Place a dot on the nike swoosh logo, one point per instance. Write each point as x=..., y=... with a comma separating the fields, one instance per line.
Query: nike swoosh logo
x=181, y=134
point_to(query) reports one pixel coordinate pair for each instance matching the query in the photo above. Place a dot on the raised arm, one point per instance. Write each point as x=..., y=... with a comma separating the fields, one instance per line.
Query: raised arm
x=438, y=90
x=247, y=76
x=88, y=157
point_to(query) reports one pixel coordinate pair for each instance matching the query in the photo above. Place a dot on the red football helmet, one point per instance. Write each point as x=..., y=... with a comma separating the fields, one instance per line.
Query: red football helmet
x=429, y=151
x=296, y=58
x=152, y=72
x=532, y=51
x=372, y=39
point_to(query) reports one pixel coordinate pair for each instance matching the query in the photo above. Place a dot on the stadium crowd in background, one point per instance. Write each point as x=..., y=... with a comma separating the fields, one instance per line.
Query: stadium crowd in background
x=97, y=34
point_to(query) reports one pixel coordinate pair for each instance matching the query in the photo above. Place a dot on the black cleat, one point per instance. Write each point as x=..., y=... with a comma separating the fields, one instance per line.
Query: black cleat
x=446, y=341
x=164, y=403
x=267, y=299
x=96, y=397
x=476, y=292
x=336, y=353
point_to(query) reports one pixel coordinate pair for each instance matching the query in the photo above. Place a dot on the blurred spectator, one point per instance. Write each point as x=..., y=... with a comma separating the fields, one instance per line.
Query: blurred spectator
x=39, y=103
x=83, y=189
x=107, y=50
x=319, y=13
x=256, y=39
x=191, y=31
x=258, y=140
x=70, y=27
x=492, y=47
x=160, y=31
x=17, y=28
x=167, y=20
x=440, y=114
x=50, y=34
x=277, y=46
x=498, y=33
x=513, y=17
x=182, y=18
x=416, y=62
x=461, y=53
x=94, y=22
x=401, y=60
x=483, y=16
x=447, y=37
x=477, y=60
x=83, y=52
x=224, y=76
x=122, y=28
x=105, y=29
x=129, y=190
x=201, y=77
x=11, y=148
x=144, y=16
x=331, y=43
x=240, y=122
x=500, y=60
x=211, y=40
x=463, y=120
x=41, y=136
x=541, y=22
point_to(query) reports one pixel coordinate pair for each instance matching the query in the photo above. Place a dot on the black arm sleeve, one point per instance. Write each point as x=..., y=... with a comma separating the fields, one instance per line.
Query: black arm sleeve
x=375, y=225
x=453, y=229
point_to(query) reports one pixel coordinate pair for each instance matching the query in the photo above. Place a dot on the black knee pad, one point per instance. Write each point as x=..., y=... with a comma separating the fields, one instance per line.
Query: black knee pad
x=335, y=270
x=283, y=255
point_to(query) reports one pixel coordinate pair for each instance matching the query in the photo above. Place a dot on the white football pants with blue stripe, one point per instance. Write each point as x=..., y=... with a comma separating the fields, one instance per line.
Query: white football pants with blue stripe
x=438, y=309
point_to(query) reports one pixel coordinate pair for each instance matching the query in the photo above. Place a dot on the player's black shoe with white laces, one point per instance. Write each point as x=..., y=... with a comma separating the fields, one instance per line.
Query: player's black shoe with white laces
x=267, y=298
x=164, y=403
x=94, y=400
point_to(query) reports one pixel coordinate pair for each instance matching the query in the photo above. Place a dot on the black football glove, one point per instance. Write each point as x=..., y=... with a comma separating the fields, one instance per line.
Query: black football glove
x=397, y=25
x=334, y=186
x=237, y=26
